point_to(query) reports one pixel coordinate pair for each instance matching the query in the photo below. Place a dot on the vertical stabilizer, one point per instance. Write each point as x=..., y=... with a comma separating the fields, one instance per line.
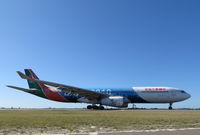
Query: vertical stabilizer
x=35, y=85
x=32, y=85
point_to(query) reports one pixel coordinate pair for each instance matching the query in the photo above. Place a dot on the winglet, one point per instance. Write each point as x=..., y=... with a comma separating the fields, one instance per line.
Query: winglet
x=22, y=75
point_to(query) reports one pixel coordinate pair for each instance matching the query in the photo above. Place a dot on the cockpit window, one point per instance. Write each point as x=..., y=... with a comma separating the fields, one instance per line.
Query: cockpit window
x=183, y=91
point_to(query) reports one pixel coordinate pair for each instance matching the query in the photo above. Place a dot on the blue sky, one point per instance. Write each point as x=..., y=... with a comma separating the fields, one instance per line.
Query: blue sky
x=105, y=43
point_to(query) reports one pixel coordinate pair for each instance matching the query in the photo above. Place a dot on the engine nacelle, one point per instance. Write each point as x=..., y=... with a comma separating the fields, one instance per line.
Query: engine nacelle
x=116, y=101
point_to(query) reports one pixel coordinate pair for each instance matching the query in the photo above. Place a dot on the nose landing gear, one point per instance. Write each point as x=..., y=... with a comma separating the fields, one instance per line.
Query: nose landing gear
x=95, y=107
x=170, y=106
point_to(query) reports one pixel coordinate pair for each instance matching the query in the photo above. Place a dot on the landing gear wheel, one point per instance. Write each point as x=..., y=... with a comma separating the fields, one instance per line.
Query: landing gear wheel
x=101, y=107
x=95, y=107
x=89, y=107
x=170, y=106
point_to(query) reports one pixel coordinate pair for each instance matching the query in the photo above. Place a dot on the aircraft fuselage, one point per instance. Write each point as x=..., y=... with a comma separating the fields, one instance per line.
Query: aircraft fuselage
x=116, y=97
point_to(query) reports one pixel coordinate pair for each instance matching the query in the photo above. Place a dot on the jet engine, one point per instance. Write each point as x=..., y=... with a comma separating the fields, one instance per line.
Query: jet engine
x=116, y=101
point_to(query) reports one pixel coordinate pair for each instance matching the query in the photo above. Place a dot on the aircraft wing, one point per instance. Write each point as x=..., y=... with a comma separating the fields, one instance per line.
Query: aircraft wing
x=22, y=89
x=91, y=95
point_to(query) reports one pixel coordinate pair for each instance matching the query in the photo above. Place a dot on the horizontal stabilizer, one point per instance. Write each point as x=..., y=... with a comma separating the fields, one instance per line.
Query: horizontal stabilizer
x=23, y=76
x=23, y=89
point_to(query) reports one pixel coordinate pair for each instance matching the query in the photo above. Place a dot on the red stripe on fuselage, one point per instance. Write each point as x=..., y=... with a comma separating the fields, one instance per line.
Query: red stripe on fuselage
x=52, y=94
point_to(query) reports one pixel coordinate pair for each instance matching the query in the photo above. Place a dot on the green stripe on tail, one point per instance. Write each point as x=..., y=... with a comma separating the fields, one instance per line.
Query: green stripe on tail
x=34, y=85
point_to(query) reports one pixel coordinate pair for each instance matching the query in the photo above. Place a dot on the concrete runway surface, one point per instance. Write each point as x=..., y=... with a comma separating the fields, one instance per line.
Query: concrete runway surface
x=151, y=132
x=184, y=132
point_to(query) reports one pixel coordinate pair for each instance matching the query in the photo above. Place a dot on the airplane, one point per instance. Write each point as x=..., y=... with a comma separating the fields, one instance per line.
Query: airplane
x=98, y=98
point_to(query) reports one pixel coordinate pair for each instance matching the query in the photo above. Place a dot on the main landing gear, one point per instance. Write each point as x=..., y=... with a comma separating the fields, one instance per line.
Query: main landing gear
x=170, y=106
x=95, y=107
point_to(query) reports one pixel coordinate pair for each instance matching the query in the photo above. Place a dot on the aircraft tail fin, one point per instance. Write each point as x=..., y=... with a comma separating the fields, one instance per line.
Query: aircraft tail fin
x=32, y=85
x=31, y=74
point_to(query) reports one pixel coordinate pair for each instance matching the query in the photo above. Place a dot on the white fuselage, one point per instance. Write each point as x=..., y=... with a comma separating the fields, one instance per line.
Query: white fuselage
x=161, y=94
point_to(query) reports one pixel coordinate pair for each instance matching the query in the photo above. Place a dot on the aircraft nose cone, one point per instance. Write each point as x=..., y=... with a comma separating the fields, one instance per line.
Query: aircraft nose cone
x=187, y=96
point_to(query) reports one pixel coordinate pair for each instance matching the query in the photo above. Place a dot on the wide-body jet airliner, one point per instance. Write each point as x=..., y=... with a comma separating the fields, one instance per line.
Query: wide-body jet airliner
x=120, y=97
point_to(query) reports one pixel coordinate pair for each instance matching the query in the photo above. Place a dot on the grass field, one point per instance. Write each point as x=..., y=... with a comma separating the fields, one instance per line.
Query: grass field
x=58, y=121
